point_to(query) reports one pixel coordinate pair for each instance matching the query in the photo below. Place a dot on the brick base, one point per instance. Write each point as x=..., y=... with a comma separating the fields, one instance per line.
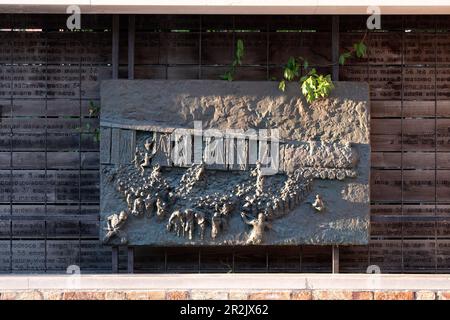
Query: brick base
x=224, y=295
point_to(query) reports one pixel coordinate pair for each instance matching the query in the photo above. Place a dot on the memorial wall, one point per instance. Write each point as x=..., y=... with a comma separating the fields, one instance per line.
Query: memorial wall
x=50, y=154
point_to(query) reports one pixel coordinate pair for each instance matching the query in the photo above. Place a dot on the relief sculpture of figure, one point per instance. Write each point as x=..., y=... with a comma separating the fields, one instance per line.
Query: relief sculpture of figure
x=225, y=212
x=156, y=176
x=318, y=204
x=136, y=160
x=189, y=223
x=259, y=225
x=160, y=208
x=139, y=206
x=114, y=224
x=120, y=186
x=130, y=199
x=257, y=172
x=149, y=205
x=148, y=155
x=176, y=223
x=146, y=163
x=201, y=222
x=216, y=223
x=200, y=175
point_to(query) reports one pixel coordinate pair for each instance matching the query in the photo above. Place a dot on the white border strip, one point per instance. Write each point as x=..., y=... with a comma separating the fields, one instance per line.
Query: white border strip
x=228, y=6
x=228, y=281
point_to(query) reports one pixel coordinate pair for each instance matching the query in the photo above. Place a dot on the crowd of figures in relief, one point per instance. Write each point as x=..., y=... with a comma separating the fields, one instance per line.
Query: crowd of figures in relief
x=197, y=203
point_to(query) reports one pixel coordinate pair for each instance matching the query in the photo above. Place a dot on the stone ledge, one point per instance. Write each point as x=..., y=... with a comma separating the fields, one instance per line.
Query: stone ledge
x=222, y=295
x=228, y=282
x=226, y=287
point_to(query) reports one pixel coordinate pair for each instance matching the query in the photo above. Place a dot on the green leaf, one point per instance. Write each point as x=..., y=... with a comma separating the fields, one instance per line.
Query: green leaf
x=291, y=63
x=239, y=51
x=227, y=76
x=343, y=57
x=94, y=109
x=238, y=55
x=360, y=49
x=288, y=74
x=282, y=85
x=305, y=64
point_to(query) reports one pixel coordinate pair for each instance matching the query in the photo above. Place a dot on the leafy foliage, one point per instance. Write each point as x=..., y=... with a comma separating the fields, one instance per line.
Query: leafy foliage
x=94, y=109
x=316, y=86
x=94, y=112
x=313, y=85
x=238, y=56
x=359, y=49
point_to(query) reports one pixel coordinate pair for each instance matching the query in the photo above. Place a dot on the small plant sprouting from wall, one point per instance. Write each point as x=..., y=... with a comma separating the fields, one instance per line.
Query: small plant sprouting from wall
x=315, y=86
x=238, y=56
x=94, y=109
x=94, y=112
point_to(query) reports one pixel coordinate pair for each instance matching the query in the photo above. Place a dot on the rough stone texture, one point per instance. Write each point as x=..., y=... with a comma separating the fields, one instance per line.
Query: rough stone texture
x=238, y=295
x=301, y=295
x=147, y=104
x=209, y=295
x=425, y=295
x=319, y=154
x=443, y=295
x=332, y=295
x=394, y=295
x=177, y=295
x=146, y=295
x=84, y=295
x=55, y=295
x=362, y=295
x=224, y=295
x=341, y=121
x=270, y=295
x=22, y=295
x=115, y=295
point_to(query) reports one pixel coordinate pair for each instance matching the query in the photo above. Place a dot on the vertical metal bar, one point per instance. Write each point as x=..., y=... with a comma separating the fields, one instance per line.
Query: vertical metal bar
x=300, y=259
x=435, y=145
x=131, y=45
x=335, y=47
x=335, y=259
x=115, y=46
x=370, y=203
x=335, y=77
x=401, y=136
x=165, y=260
x=11, y=152
x=115, y=75
x=46, y=150
x=200, y=49
x=79, y=149
x=233, y=262
x=115, y=259
x=267, y=48
x=234, y=38
x=130, y=260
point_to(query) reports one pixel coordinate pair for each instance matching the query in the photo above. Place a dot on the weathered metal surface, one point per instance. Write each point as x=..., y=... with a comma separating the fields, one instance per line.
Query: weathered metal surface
x=317, y=194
